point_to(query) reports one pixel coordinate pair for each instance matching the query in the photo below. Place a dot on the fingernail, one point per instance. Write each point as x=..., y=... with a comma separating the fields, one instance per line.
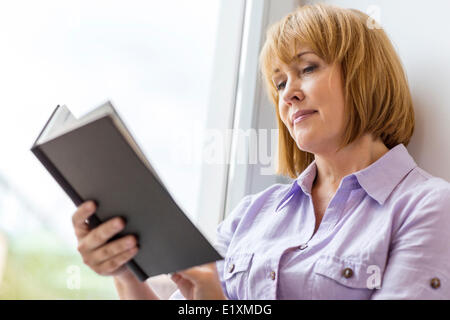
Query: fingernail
x=89, y=205
x=130, y=243
x=118, y=224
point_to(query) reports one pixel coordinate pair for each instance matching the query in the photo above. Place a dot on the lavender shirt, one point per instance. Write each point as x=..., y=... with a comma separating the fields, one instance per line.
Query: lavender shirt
x=384, y=235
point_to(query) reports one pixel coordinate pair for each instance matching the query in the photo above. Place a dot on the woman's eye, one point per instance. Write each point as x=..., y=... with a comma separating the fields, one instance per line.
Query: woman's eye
x=281, y=86
x=306, y=70
x=311, y=68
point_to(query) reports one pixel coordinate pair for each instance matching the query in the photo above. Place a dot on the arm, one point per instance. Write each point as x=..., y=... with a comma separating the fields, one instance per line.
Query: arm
x=419, y=260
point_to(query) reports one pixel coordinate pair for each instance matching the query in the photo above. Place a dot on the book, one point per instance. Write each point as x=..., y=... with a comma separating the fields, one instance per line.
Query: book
x=96, y=158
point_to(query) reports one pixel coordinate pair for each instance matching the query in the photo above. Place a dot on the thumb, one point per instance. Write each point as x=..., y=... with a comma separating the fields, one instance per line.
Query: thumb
x=191, y=274
x=184, y=285
x=198, y=273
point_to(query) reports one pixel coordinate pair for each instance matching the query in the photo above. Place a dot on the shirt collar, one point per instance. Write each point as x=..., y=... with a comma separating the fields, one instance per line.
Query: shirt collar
x=381, y=177
x=304, y=182
x=378, y=180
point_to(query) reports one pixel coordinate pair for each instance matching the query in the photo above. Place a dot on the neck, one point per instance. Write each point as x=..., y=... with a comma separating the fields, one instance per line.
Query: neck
x=333, y=166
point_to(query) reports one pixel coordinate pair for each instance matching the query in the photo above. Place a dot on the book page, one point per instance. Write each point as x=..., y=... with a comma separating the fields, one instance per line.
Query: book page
x=65, y=121
x=62, y=118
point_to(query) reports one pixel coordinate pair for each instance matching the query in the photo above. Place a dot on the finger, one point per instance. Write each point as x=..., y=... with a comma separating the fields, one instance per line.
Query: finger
x=112, y=249
x=180, y=280
x=200, y=273
x=184, y=285
x=208, y=267
x=83, y=212
x=212, y=267
x=98, y=236
x=193, y=273
x=110, y=266
x=175, y=277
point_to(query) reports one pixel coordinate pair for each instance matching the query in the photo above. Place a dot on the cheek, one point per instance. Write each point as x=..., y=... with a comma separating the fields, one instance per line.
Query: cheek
x=330, y=99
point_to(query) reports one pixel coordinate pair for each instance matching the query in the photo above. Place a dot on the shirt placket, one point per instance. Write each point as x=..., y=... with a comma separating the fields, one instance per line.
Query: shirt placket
x=270, y=277
x=330, y=218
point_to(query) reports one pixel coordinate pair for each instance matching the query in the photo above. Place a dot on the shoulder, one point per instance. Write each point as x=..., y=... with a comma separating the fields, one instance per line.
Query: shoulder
x=271, y=194
x=433, y=197
x=242, y=215
x=424, y=201
x=422, y=187
x=267, y=196
x=253, y=203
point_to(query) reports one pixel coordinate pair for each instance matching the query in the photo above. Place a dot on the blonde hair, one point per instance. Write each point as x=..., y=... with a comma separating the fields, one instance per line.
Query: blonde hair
x=376, y=91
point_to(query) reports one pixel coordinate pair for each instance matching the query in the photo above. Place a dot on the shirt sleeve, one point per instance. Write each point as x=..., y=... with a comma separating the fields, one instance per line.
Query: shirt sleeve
x=224, y=233
x=418, y=266
x=226, y=229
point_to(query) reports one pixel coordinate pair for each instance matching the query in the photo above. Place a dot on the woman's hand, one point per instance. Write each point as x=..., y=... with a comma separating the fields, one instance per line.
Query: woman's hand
x=105, y=258
x=199, y=283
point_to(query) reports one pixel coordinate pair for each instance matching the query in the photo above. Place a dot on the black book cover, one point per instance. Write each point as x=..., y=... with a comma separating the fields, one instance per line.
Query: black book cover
x=95, y=162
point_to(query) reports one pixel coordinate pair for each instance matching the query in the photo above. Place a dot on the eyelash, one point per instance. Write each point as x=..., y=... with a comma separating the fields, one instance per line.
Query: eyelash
x=304, y=71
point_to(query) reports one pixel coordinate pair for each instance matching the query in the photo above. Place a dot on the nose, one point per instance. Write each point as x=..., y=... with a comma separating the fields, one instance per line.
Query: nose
x=293, y=93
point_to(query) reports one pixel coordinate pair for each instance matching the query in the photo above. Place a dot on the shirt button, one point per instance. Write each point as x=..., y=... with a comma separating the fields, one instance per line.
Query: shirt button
x=303, y=246
x=347, y=273
x=435, y=283
x=231, y=268
x=272, y=275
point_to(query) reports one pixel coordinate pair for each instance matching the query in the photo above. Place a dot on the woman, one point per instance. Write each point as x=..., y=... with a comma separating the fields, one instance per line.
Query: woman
x=360, y=221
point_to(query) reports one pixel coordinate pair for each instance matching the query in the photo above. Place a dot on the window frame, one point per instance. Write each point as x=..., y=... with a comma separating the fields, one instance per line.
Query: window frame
x=237, y=101
x=220, y=113
x=253, y=108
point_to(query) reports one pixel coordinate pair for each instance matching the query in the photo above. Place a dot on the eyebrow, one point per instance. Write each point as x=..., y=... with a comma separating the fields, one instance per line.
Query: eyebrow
x=296, y=58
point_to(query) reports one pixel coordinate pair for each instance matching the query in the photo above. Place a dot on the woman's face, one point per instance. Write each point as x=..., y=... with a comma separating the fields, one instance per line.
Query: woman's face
x=308, y=83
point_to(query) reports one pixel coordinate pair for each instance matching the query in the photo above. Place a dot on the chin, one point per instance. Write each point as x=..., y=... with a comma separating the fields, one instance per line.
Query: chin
x=307, y=147
x=305, y=143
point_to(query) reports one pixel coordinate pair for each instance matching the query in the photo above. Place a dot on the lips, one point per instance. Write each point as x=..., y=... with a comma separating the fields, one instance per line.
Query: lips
x=298, y=115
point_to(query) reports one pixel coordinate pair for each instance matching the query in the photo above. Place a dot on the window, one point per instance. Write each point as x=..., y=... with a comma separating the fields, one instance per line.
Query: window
x=158, y=63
